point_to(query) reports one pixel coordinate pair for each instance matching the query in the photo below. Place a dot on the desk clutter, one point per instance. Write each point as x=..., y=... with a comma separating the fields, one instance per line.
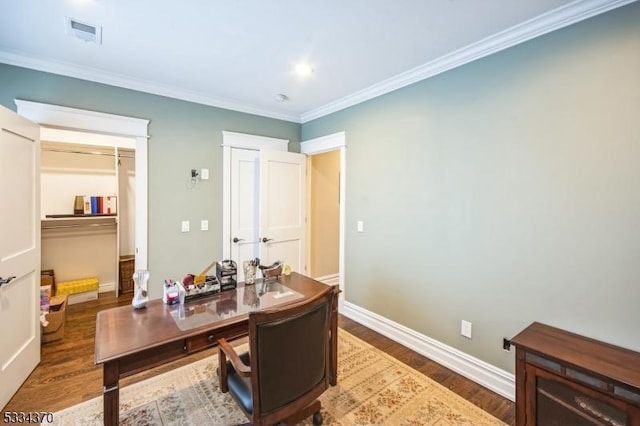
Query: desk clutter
x=227, y=273
x=196, y=286
x=226, y=278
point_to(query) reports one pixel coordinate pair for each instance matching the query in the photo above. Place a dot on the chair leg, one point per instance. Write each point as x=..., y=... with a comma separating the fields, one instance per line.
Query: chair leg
x=222, y=371
x=317, y=418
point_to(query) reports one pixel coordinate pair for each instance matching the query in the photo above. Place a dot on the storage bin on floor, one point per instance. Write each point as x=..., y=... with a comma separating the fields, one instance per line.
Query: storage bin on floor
x=78, y=291
x=56, y=317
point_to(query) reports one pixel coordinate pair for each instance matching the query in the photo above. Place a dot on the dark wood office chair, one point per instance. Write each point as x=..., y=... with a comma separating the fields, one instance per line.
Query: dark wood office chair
x=288, y=368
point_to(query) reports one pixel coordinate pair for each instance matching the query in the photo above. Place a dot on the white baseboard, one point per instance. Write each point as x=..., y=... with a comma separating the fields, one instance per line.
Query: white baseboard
x=483, y=373
x=106, y=287
x=333, y=279
x=84, y=296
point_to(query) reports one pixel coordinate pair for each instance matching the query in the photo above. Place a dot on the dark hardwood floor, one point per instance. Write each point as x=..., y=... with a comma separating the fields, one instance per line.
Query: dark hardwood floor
x=67, y=375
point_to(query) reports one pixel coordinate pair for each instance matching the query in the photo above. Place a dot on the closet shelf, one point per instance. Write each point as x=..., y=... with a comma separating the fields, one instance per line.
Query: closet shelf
x=74, y=216
x=78, y=221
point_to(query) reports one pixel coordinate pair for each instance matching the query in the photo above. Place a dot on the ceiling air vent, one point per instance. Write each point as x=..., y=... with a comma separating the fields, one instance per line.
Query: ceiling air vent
x=85, y=32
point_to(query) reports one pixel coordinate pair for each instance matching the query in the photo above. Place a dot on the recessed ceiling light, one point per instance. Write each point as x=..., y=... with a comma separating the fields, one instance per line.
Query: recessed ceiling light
x=304, y=69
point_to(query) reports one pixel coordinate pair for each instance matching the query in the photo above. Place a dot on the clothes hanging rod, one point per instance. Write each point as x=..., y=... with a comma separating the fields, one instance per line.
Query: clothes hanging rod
x=78, y=225
x=71, y=151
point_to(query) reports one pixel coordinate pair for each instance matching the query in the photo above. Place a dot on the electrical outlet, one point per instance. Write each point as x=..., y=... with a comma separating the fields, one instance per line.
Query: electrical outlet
x=506, y=344
x=185, y=226
x=204, y=225
x=465, y=329
x=204, y=174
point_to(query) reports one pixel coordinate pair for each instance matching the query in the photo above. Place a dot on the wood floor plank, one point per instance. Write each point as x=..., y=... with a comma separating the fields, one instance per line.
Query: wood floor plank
x=67, y=375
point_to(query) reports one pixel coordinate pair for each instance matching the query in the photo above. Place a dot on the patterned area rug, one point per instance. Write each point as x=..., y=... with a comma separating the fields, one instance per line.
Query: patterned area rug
x=373, y=389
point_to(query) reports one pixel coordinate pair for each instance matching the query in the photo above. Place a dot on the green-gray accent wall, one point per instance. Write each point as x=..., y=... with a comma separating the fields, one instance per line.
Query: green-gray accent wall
x=183, y=136
x=503, y=192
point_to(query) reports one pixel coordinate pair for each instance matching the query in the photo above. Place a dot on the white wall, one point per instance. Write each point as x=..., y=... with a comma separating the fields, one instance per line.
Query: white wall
x=65, y=175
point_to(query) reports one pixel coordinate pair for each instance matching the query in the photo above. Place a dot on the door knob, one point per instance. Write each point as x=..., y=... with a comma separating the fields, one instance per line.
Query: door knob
x=5, y=280
x=265, y=239
x=236, y=239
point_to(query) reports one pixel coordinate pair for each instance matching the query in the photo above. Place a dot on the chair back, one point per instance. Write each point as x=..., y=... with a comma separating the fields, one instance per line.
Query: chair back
x=290, y=353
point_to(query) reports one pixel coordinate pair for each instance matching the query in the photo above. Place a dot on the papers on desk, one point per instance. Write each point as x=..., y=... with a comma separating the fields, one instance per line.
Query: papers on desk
x=283, y=294
x=231, y=303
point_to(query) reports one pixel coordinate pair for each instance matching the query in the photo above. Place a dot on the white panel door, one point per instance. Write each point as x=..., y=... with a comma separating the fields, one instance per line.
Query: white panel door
x=19, y=251
x=245, y=214
x=282, y=208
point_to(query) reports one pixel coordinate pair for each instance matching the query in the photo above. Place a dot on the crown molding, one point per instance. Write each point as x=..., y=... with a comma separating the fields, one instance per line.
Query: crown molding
x=112, y=79
x=561, y=17
x=556, y=19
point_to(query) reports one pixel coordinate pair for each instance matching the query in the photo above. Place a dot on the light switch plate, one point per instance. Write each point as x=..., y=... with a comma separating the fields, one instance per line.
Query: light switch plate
x=204, y=225
x=465, y=329
x=204, y=174
x=185, y=226
x=360, y=226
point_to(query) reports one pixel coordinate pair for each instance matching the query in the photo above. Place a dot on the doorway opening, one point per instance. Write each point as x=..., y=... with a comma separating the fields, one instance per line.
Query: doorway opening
x=324, y=216
x=63, y=123
x=327, y=159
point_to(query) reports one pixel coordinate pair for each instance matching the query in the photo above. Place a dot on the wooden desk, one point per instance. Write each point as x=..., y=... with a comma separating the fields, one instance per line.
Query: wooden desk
x=129, y=341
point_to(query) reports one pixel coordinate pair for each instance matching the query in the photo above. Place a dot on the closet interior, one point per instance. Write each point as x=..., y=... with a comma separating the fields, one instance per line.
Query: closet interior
x=96, y=243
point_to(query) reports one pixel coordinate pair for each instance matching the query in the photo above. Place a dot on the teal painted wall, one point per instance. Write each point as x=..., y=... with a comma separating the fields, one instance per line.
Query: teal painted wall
x=184, y=136
x=503, y=192
x=500, y=192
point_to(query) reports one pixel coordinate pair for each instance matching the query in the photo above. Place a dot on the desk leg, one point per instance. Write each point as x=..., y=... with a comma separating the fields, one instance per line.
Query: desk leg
x=111, y=393
x=333, y=355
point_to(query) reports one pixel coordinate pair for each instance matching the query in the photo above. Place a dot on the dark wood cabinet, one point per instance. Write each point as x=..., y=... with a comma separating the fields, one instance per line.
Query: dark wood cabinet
x=566, y=379
x=125, y=275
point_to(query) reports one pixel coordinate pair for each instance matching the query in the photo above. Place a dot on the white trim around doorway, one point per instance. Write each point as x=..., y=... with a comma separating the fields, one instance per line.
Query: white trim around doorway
x=59, y=119
x=332, y=142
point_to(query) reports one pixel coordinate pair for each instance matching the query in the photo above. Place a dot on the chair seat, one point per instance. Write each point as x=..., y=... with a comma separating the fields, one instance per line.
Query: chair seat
x=240, y=387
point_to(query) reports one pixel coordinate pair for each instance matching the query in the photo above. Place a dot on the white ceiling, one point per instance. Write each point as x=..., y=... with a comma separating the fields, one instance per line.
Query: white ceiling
x=239, y=54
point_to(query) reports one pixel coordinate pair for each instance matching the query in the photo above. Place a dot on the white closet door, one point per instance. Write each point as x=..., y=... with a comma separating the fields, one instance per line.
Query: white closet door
x=282, y=208
x=245, y=173
x=267, y=207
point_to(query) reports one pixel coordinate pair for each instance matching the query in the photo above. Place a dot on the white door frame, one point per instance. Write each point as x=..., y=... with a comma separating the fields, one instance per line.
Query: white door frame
x=335, y=141
x=231, y=140
x=98, y=123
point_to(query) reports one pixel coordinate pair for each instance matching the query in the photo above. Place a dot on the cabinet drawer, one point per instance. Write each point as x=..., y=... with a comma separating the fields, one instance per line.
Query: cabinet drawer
x=203, y=341
x=148, y=358
x=210, y=338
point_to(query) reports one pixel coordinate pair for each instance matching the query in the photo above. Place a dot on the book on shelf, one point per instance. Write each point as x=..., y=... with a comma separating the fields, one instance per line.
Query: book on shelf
x=95, y=205
x=110, y=204
x=87, y=204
